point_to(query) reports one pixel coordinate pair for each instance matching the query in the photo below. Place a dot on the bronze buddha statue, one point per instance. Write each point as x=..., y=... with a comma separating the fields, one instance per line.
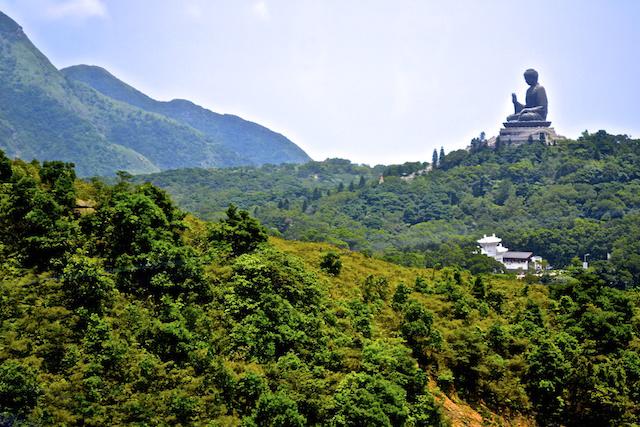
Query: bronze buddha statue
x=535, y=108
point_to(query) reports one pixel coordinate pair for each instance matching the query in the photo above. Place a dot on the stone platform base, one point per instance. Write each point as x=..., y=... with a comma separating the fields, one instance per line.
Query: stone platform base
x=517, y=135
x=527, y=124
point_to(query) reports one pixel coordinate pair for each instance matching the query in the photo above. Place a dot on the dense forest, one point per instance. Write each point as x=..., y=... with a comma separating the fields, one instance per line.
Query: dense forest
x=118, y=308
x=575, y=198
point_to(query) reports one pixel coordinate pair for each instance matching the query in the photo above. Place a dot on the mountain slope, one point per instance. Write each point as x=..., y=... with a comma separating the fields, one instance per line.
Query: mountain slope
x=257, y=143
x=131, y=313
x=165, y=142
x=39, y=116
x=578, y=197
x=47, y=116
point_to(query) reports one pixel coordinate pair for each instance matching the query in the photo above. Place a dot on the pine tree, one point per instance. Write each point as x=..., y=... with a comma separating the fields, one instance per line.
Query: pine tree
x=441, y=158
x=479, y=289
x=5, y=168
x=316, y=194
x=434, y=159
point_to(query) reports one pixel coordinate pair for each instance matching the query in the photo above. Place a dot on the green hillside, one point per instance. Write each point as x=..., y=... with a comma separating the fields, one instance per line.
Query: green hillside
x=564, y=201
x=116, y=308
x=253, y=143
x=40, y=119
x=45, y=115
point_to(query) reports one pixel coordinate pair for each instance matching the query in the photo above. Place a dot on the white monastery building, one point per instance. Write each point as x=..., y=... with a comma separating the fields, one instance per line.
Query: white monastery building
x=491, y=246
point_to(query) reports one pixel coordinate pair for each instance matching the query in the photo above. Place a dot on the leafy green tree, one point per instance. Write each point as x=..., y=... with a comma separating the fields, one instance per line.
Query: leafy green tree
x=85, y=283
x=425, y=412
x=400, y=296
x=59, y=178
x=547, y=374
x=418, y=329
x=5, y=168
x=275, y=410
x=145, y=249
x=331, y=263
x=35, y=226
x=19, y=390
x=479, y=289
x=361, y=316
x=375, y=289
x=276, y=306
x=392, y=360
x=468, y=353
x=626, y=254
x=247, y=391
x=421, y=285
x=363, y=399
x=238, y=231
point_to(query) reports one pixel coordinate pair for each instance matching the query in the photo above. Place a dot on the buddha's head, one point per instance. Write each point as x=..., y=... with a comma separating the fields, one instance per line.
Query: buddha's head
x=531, y=76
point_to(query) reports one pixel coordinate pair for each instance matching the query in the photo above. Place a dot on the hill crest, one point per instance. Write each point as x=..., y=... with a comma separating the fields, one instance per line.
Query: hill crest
x=48, y=115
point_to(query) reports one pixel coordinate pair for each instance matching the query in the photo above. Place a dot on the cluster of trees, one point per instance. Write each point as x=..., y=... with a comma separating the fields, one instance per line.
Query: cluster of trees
x=574, y=198
x=127, y=311
x=130, y=312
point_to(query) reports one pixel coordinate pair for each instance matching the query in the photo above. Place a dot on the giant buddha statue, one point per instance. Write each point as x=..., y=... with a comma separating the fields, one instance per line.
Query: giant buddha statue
x=528, y=123
x=535, y=107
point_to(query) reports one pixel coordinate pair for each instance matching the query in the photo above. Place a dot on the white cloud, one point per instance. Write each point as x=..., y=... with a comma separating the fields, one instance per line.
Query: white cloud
x=261, y=10
x=195, y=9
x=76, y=9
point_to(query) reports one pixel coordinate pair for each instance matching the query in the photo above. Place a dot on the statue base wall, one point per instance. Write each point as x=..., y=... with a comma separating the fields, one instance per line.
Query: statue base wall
x=518, y=135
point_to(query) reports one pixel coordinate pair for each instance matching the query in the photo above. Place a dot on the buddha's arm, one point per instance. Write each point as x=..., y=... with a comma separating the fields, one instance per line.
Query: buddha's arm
x=541, y=104
x=535, y=109
x=516, y=105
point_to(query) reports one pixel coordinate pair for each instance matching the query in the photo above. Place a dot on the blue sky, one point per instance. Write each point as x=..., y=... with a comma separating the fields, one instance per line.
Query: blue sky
x=372, y=81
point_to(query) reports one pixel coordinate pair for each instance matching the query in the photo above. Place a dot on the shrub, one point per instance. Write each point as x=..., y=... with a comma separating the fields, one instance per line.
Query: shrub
x=331, y=263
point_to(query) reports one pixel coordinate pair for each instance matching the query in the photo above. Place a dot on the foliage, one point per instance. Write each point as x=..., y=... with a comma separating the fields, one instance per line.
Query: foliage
x=573, y=198
x=331, y=263
x=238, y=232
x=142, y=315
x=19, y=389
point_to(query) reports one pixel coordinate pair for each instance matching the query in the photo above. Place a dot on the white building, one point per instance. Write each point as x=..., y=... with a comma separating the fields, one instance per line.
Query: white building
x=517, y=260
x=491, y=246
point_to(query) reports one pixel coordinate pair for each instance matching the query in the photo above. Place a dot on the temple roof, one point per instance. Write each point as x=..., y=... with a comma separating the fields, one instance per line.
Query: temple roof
x=517, y=255
x=490, y=239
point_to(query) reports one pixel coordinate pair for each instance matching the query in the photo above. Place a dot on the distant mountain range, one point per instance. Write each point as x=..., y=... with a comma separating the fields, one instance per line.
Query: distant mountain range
x=85, y=115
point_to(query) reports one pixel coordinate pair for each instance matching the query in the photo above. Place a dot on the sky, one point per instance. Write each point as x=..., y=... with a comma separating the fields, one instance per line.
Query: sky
x=373, y=81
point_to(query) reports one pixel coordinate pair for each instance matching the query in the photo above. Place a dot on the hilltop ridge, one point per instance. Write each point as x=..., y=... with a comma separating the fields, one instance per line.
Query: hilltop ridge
x=577, y=197
x=247, y=139
x=49, y=114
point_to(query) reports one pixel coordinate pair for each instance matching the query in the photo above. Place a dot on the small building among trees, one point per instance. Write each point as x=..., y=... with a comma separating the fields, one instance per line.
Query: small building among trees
x=491, y=246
